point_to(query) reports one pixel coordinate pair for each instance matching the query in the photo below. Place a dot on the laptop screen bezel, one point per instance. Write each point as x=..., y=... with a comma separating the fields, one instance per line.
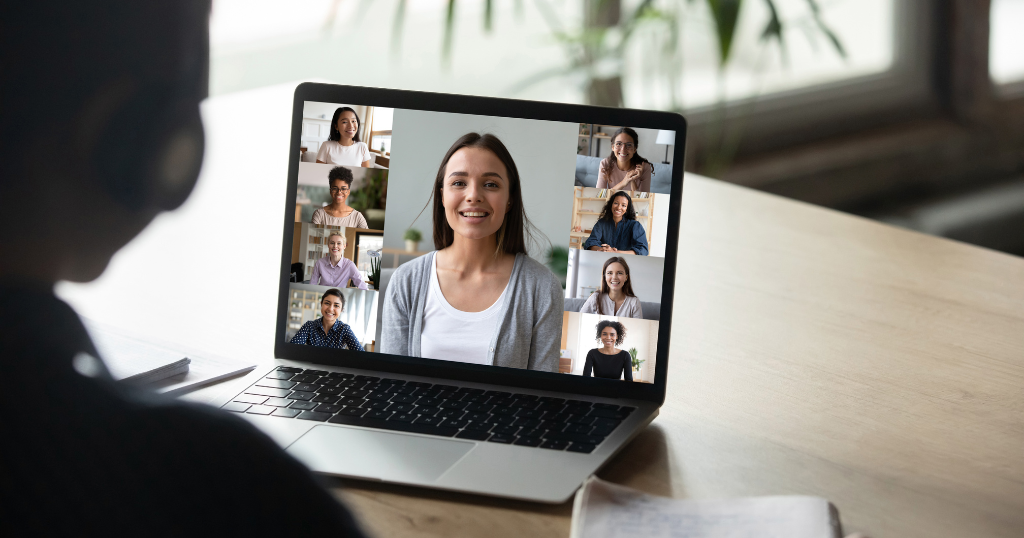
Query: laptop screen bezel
x=484, y=106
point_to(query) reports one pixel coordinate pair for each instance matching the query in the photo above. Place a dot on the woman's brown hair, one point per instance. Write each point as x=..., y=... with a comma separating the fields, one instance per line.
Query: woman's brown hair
x=627, y=289
x=515, y=228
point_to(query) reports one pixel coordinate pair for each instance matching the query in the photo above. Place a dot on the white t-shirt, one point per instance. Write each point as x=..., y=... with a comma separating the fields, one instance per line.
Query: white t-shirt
x=332, y=152
x=453, y=335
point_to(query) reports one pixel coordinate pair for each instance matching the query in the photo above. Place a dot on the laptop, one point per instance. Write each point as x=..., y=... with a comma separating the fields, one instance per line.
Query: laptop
x=475, y=294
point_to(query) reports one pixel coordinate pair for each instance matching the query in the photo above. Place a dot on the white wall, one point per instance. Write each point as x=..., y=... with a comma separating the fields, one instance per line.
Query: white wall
x=640, y=333
x=645, y=272
x=544, y=153
x=659, y=225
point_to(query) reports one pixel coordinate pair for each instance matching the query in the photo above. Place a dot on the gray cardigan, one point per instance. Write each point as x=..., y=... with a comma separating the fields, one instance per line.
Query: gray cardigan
x=528, y=335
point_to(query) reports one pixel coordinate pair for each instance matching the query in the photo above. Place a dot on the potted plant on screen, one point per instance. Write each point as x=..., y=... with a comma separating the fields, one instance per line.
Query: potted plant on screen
x=412, y=239
x=374, y=268
x=636, y=363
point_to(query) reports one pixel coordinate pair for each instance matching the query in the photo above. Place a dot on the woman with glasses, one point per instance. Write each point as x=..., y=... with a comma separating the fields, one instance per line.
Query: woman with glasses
x=625, y=169
x=338, y=212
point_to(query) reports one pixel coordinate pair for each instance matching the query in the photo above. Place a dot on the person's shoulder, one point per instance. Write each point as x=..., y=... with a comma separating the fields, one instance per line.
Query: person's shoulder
x=412, y=271
x=606, y=163
x=535, y=273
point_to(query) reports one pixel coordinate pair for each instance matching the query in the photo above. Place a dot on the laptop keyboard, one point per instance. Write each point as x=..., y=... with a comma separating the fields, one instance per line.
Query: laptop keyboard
x=443, y=410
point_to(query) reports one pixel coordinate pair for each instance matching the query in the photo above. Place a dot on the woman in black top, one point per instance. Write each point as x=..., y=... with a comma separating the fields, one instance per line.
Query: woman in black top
x=608, y=361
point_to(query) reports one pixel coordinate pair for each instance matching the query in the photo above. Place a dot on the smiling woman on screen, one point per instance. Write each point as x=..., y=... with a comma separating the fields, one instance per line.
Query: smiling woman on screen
x=609, y=361
x=615, y=295
x=335, y=270
x=617, y=229
x=338, y=212
x=625, y=169
x=328, y=330
x=478, y=298
x=343, y=146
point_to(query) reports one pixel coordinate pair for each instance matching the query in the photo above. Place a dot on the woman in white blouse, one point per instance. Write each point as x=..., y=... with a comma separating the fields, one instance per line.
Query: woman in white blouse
x=615, y=296
x=343, y=147
x=338, y=212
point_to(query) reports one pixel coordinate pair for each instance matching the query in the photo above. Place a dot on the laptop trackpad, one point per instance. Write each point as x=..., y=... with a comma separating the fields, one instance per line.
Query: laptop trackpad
x=377, y=454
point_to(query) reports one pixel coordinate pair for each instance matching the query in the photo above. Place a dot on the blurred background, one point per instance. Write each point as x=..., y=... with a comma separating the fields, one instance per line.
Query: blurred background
x=905, y=111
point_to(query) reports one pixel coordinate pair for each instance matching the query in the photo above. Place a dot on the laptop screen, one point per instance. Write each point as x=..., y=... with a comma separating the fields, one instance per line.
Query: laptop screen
x=494, y=241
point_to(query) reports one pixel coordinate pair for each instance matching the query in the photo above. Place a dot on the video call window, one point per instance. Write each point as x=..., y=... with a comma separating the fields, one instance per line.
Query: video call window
x=576, y=239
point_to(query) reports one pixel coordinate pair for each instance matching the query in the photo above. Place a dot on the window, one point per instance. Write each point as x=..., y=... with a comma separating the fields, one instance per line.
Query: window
x=1006, y=42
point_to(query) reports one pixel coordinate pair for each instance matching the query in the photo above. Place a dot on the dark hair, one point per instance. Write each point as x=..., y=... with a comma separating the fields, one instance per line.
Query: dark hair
x=340, y=173
x=515, y=228
x=335, y=133
x=152, y=54
x=620, y=330
x=627, y=289
x=637, y=159
x=606, y=212
x=334, y=291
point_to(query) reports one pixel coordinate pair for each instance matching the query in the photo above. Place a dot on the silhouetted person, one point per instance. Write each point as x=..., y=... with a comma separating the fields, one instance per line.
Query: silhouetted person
x=99, y=132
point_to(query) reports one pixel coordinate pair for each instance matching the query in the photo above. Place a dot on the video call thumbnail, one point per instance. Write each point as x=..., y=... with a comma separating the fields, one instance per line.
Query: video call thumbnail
x=489, y=240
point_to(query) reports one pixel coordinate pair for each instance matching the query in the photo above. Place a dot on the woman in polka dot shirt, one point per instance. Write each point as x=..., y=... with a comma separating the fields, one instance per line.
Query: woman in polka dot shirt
x=328, y=331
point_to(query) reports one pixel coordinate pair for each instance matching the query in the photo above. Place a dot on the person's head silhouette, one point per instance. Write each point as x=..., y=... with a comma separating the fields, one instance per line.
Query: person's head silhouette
x=100, y=128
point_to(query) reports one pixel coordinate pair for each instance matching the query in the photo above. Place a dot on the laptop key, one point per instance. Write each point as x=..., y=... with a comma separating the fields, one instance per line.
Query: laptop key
x=377, y=405
x=305, y=396
x=504, y=411
x=529, y=413
x=403, y=408
x=574, y=437
x=330, y=390
x=554, y=445
x=287, y=413
x=453, y=404
x=580, y=419
x=353, y=411
x=606, y=422
x=329, y=408
x=250, y=399
x=279, y=375
x=393, y=425
x=356, y=393
x=428, y=401
x=278, y=402
x=349, y=400
x=261, y=410
x=313, y=415
x=607, y=413
x=326, y=398
x=236, y=407
x=403, y=398
x=455, y=423
x=275, y=383
x=289, y=369
x=582, y=448
x=503, y=439
x=605, y=406
x=579, y=428
x=315, y=372
x=532, y=432
x=505, y=430
x=307, y=387
x=303, y=406
x=305, y=378
x=380, y=396
x=529, y=441
x=474, y=435
x=378, y=414
x=427, y=410
x=404, y=417
x=451, y=413
x=432, y=421
x=264, y=391
x=603, y=431
x=479, y=426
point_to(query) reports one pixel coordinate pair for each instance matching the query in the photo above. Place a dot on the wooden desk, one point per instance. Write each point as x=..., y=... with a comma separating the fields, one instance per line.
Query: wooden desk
x=812, y=353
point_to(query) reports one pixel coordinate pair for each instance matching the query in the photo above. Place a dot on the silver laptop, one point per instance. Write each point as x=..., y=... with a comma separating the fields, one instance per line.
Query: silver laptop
x=475, y=293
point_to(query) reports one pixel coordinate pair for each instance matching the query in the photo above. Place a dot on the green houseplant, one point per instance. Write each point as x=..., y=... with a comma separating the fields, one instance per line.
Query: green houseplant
x=636, y=362
x=412, y=239
x=374, y=268
x=558, y=262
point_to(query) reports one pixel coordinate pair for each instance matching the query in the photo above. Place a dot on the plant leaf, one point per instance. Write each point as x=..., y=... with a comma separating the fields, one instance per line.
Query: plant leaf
x=725, y=13
x=816, y=13
x=397, y=25
x=488, y=15
x=774, y=30
x=449, y=28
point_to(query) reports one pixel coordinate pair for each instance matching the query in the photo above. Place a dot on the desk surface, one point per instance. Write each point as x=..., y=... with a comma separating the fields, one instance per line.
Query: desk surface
x=812, y=353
